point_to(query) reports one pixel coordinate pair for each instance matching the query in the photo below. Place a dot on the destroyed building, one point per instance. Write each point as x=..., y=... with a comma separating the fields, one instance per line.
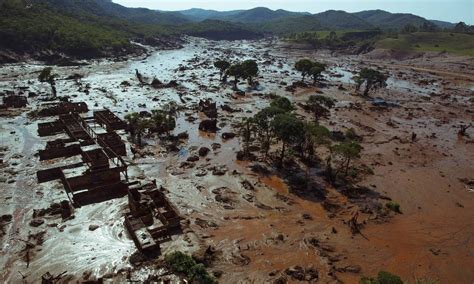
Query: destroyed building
x=91, y=168
x=152, y=218
x=14, y=101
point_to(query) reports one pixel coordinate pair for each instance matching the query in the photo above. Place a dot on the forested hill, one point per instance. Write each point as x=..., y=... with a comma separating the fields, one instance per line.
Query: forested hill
x=38, y=30
x=42, y=29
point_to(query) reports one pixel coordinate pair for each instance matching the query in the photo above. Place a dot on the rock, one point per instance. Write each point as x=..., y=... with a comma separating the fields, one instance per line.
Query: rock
x=247, y=185
x=242, y=156
x=219, y=170
x=187, y=165
x=93, y=227
x=296, y=272
x=6, y=218
x=208, y=107
x=208, y=125
x=200, y=173
x=311, y=273
x=306, y=216
x=203, y=151
x=352, y=268
x=259, y=168
x=229, y=109
x=182, y=135
x=215, y=146
x=193, y=158
x=228, y=135
x=36, y=222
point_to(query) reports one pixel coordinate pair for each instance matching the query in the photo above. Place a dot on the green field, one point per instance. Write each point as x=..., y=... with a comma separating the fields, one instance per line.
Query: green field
x=456, y=43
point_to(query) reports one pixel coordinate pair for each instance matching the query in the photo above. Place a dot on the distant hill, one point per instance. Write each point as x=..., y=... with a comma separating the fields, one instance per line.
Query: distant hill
x=329, y=20
x=342, y=20
x=255, y=15
x=443, y=24
x=385, y=20
x=196, y=14
x=219, y=30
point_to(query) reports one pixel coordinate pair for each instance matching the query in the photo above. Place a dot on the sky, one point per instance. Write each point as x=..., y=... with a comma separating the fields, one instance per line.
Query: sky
x=445, y=10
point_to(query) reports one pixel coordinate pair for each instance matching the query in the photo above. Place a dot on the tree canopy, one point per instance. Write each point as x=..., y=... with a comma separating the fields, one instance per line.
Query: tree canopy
x=372, y=78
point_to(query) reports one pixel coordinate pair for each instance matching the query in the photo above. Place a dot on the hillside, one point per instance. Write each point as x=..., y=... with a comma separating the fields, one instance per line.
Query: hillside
x=456, y=43
x=106, y=8
x=341, y=20
x=386, y=20
x=37, y=30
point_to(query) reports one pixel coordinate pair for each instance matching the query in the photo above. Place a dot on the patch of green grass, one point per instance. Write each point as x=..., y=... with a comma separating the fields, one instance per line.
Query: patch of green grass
x=455, y=43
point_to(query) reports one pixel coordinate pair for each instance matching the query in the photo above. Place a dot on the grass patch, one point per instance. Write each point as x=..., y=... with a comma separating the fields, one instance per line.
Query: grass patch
x=182, y=263
x=455, y=43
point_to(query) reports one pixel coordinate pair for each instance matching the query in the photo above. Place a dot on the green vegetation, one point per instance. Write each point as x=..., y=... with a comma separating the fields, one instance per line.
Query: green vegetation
x=289, y=130
x=308, y=67
x=395, y=207
x=137, y=126
x=319, y=106
x=179, y=262
x=245, y=70
x=218, y=30
x=336, y=39
x=383, y=277
x=456, y=43
x=162, y=121
x=48, y=76
x=372, y=79
x=345, y=152
x=222, y=65
x=35, y=28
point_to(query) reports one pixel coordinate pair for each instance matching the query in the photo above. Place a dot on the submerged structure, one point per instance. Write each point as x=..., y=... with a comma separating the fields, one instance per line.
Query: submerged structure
x=91, y=168
x=152, y=218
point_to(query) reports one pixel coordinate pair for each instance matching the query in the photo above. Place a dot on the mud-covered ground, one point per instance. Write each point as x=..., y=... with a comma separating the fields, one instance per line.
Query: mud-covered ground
x=243, y=225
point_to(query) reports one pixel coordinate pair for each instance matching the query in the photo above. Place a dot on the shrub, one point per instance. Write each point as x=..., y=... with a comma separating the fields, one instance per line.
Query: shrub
x=179, y=262
x=395, y=207
x=383, y=277
x=388, y=278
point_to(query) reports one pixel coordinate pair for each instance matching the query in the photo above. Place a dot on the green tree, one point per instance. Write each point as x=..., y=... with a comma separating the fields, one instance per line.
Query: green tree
x=222, y=65
x=315, y=135
x=137, y=126
x=247, y=128
x=304, y=66
x=249, y=70
x=289, y=130
x=409, y=28
x=236, y=71
x=373, y=80
x=346, y=152
x=282, y=103
x=48, y=76
x=319, y=106
x=316, y=71
x=264, y=127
